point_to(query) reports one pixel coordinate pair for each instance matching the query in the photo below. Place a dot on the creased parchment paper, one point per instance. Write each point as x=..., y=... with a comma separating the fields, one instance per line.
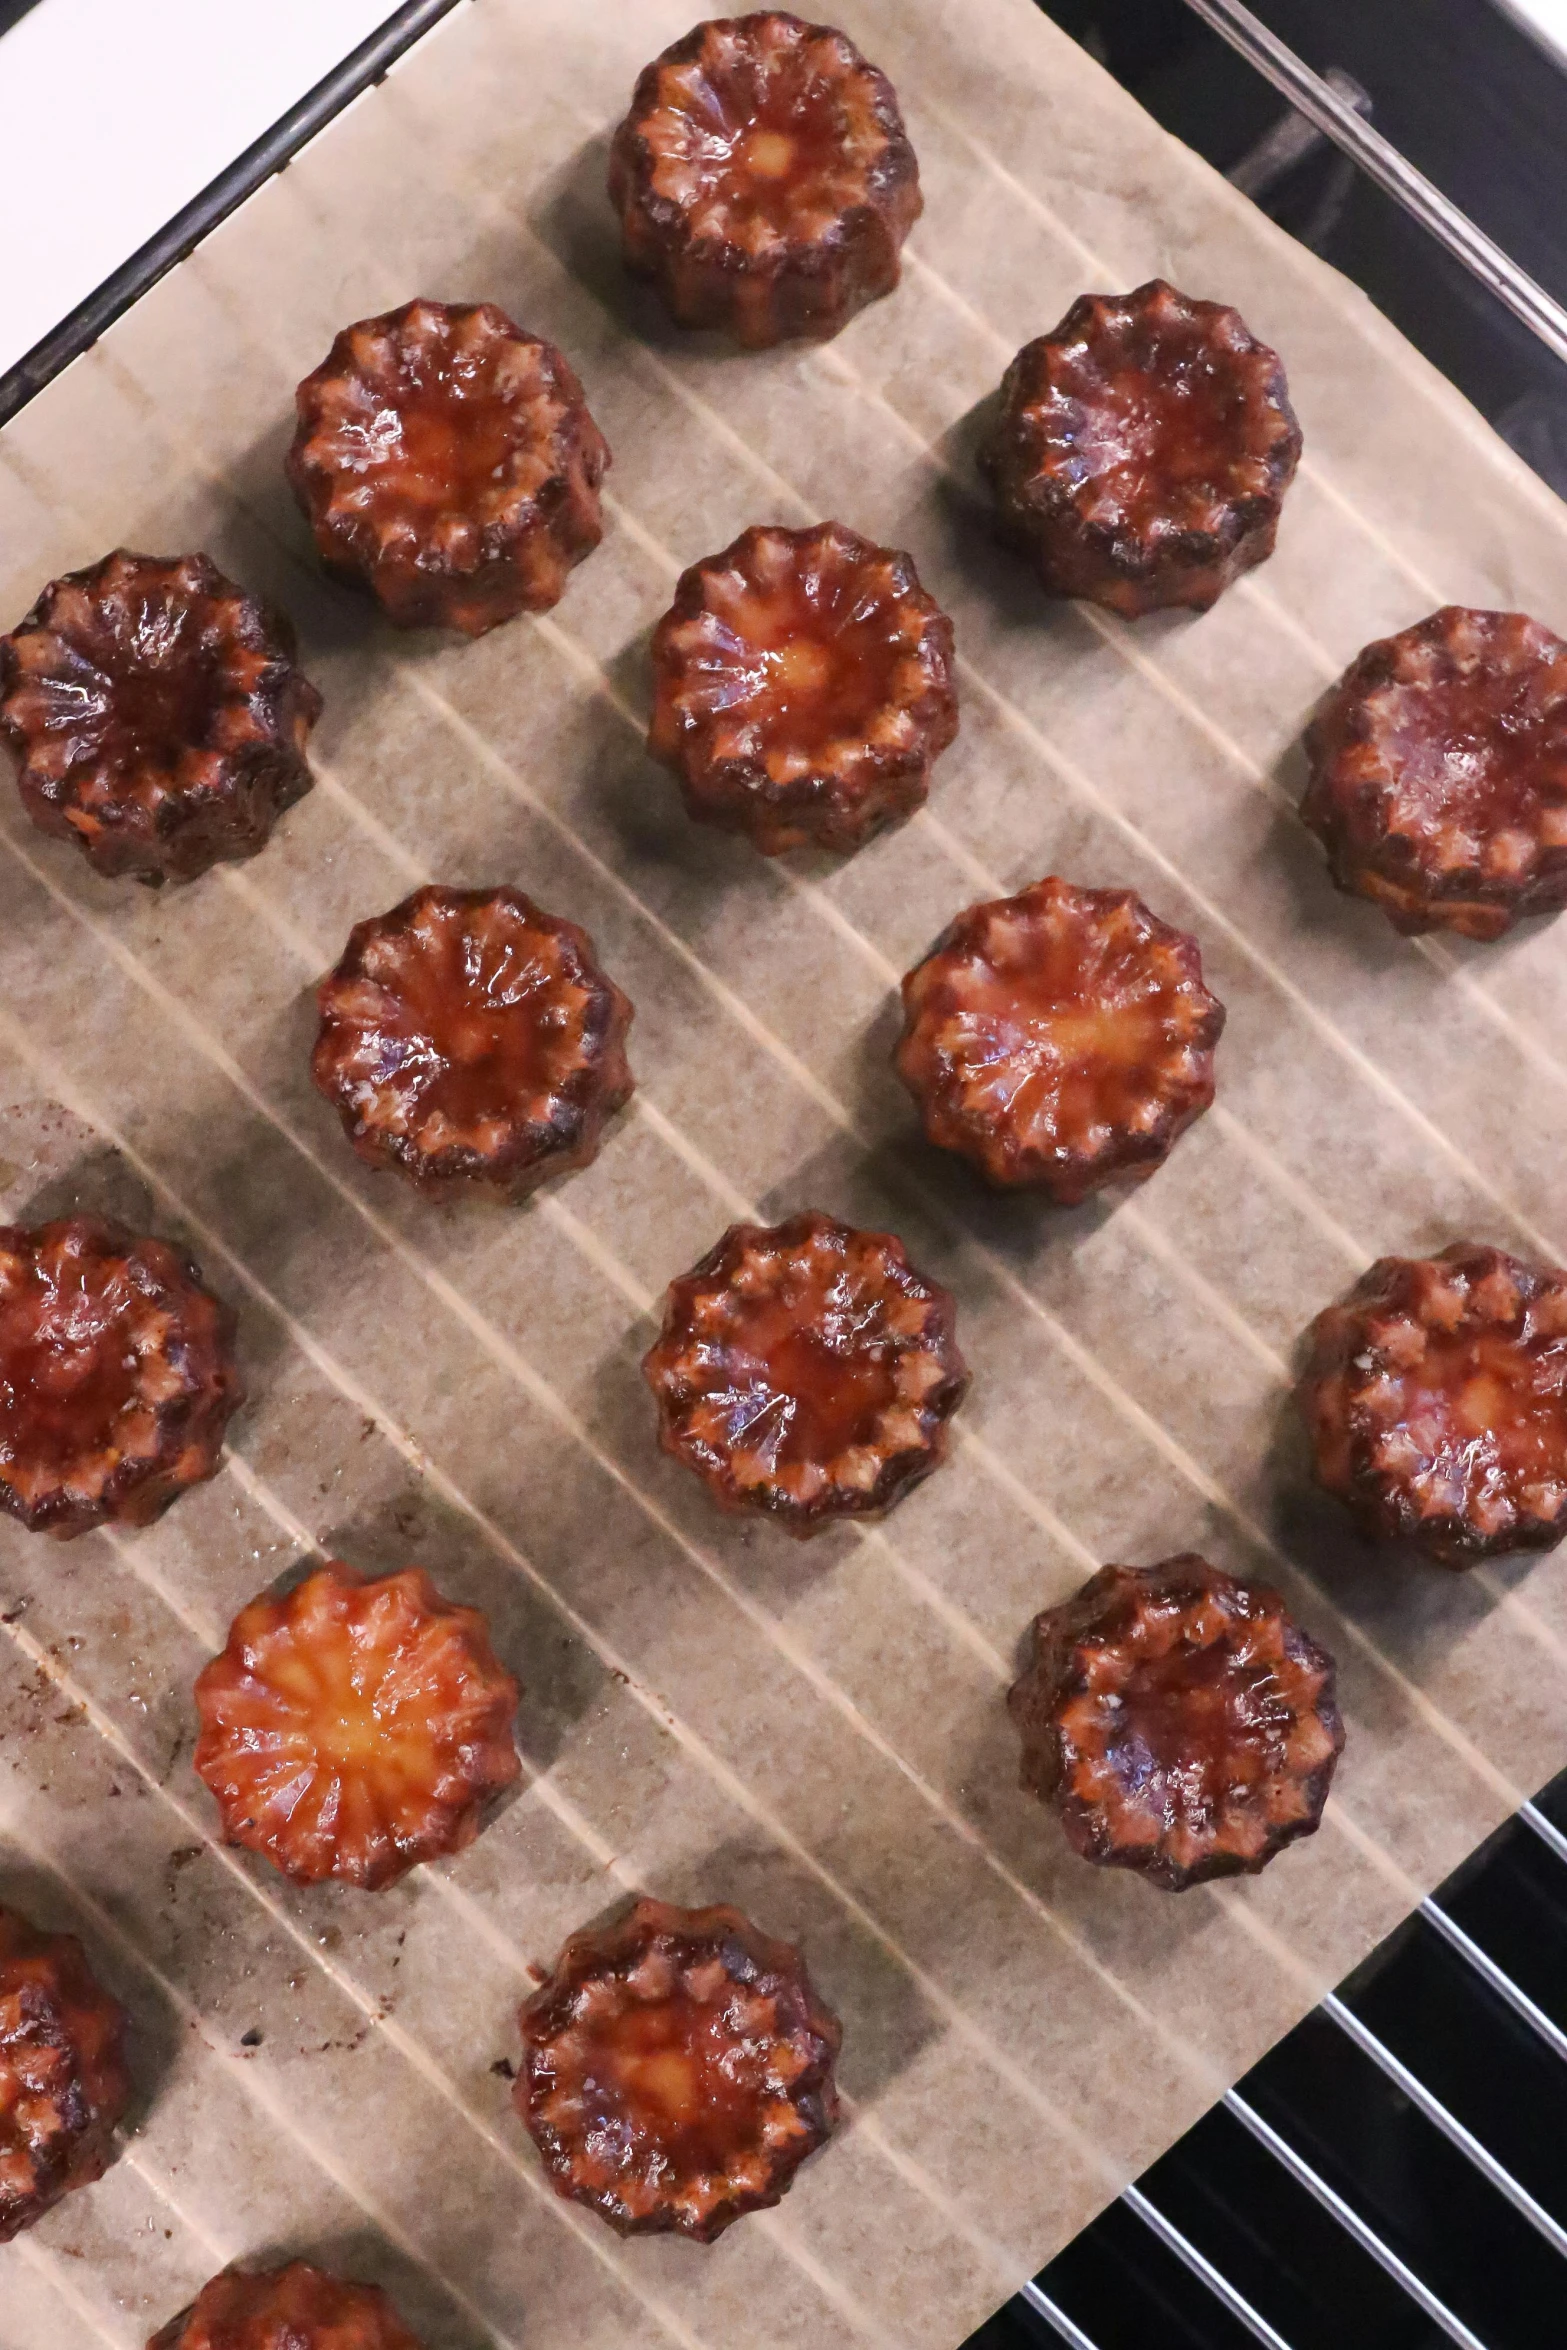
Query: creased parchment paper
x=713, y=1713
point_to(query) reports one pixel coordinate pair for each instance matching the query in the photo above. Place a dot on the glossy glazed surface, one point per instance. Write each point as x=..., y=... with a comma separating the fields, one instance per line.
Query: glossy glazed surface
x=1143, y=449
x=355, y=1728
x=802, y=688
x=1436, y=1399
x=158, y=714
x=677, y=2069
x=1439, y=773
x=1060, y=1039
x=63, y=2081
x=117, y=1375
x=468, y=1038
x=763, y=178
x=1180, y=1722
x=447, y=461
x=806, y=1371
x=292, y=2308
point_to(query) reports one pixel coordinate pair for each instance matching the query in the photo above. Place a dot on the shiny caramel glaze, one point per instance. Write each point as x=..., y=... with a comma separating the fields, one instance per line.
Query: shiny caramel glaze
x=677, y=2068
x=472, y=1042
x=763, y=179
x=1062, y=1039
x=806, y=1371
x=159, y=716
x=292, y=2308
x=354, y=1728
x=1143, y=450
x=447, y=462
x=1436, y=1399
x=1439, y=774
x=63, y=2080
x=1179, y=1722
x=117, y=1375
x=802, y=688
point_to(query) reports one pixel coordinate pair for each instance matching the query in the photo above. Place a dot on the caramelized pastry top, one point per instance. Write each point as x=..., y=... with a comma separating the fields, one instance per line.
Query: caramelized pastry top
x=159, y=715
x=1180, y=1722
x=447, y=461
x=1436, y=1398
x=117, y=1375
x=1062, y=1038
x=1439, y=773
x=469, y=1039
x=763, y=178
x=802, y=688
x=1143, y=450
x=63, y=2082
x=806, y=1371
x=355, y=1728
x=291, y=2308
x=677, y=2070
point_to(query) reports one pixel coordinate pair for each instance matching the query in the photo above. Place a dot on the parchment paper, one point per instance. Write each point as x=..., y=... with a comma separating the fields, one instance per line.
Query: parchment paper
x=711, y=1712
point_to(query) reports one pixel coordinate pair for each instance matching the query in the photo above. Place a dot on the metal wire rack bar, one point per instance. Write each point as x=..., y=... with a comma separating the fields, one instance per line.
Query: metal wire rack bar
x=1436, y=2113
x=1351, y=2222
x=1054, y=2315
x=1547, y=1830
x=1494, y=1977
x=1229, y=2296
x=1381, y=161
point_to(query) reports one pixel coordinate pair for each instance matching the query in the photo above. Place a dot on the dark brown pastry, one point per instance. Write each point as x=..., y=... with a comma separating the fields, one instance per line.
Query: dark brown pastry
x=292, y=2308
x=1179, y=1722
x=763, y=179
x=472, y=1042
x=63, y=2082
x=677, y=2069
x=446, y=461
x=117, y=1376
x=1143, y=450
x=802, y=688
x=806, y=1372
x=1439, y=774
x=1062, y=1039
x=1436, y=1399
x=355, y=1728
x=159, y=716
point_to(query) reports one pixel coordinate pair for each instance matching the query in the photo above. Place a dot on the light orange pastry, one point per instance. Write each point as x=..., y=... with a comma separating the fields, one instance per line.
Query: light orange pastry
x=354, y=1728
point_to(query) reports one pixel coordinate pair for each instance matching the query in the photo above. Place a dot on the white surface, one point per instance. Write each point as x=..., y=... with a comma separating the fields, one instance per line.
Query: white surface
x=163, y=94
x=1546, y=19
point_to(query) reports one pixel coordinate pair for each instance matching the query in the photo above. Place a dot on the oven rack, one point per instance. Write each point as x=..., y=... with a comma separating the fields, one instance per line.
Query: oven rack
x=1392, y=2177
x=1334, y=112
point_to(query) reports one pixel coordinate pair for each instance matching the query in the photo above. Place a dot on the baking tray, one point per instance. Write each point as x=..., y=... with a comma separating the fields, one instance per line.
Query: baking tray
x=710, y=1712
